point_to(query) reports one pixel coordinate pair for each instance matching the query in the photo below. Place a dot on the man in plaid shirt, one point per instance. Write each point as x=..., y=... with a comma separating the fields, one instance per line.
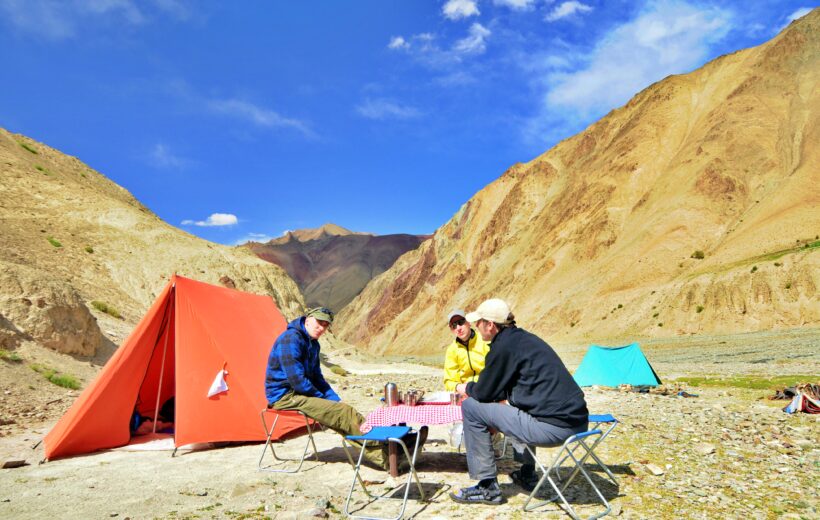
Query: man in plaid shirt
x=294, y=379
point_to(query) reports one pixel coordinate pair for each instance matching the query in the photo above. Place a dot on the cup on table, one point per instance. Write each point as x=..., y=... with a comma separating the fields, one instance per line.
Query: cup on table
x=455, y=398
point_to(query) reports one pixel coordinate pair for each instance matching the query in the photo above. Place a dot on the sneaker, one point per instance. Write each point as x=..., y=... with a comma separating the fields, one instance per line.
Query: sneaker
x=490, y=495
x=525, y=482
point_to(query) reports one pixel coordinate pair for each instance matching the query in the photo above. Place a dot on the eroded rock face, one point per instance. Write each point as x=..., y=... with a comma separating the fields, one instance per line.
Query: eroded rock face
x=49, y=312
x=9, y=335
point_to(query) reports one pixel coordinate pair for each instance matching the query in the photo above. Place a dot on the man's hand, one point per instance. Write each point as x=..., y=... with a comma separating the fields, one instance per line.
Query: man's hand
x=462, y=388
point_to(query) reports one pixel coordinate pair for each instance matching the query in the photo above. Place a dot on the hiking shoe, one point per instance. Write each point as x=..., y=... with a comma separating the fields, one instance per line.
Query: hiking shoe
x=490, y=495
x=527, y=482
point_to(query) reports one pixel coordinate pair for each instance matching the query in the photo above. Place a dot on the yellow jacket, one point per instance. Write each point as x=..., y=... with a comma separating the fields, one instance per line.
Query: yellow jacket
x=464, y=363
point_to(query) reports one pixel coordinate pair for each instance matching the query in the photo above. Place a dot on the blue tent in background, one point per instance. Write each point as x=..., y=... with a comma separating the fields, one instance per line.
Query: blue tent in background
x=613, y=366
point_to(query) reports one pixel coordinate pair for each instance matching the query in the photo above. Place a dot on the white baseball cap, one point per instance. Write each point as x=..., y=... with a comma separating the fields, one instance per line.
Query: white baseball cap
x=494, y=310
x=454, y=313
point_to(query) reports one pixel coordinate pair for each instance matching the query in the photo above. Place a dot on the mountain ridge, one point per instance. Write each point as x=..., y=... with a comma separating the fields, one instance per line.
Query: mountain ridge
x=644, y=224
x=75, y=243
x=331, y=267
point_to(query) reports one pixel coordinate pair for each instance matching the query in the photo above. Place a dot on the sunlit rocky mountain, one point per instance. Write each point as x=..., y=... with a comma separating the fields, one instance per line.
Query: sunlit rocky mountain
x=693, y=209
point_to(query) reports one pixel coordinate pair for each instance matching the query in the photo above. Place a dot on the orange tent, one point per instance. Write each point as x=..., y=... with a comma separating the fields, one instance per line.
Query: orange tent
x=190, y=333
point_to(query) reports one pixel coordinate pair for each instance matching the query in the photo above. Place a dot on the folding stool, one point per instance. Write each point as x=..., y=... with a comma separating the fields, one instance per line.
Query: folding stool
x=269, y=443
x=567, y=451
x=382, y=434
x=595, y=421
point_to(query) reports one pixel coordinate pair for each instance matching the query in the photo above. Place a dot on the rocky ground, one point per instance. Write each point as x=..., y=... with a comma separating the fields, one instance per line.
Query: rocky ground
x=729, y=452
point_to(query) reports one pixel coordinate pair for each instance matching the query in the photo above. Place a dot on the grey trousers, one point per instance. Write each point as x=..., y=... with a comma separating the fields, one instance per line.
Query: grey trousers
x=479, y=418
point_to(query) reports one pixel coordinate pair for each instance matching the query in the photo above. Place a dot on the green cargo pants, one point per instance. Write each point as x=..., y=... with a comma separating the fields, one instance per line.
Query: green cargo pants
x=338, y=416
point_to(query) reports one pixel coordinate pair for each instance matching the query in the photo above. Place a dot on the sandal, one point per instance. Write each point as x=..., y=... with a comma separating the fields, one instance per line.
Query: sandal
x=479, y=495
x=527, y=483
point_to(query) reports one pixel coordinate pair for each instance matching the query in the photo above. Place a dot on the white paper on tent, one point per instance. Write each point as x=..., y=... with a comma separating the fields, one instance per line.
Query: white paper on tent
x=219, y=385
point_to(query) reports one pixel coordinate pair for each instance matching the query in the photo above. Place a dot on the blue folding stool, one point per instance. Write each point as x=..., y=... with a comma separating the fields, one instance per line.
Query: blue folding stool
x=269, y=443
x=595, y=422
x=567, y=451
x=382, y=434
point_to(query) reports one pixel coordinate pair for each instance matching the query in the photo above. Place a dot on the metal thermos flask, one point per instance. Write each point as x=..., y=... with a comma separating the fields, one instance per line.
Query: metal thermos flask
x=391, y=394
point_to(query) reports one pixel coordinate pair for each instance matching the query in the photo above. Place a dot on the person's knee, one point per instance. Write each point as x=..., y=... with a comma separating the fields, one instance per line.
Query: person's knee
x=469, y=409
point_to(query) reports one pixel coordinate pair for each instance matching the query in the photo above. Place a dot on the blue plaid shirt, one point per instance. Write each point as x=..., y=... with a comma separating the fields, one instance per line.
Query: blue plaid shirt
x=293, y=364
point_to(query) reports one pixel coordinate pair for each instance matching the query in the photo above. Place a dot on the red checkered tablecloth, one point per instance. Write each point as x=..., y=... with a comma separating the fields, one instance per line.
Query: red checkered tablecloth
x=422, y=414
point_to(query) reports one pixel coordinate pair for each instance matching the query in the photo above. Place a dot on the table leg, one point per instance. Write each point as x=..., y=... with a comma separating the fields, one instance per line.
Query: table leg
x=393, y=457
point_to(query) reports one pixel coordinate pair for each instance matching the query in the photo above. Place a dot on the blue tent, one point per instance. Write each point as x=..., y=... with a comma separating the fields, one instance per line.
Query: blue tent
x=613, y=366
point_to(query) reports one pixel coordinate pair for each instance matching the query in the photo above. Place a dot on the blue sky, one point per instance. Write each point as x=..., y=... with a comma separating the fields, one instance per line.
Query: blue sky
x=237, y=120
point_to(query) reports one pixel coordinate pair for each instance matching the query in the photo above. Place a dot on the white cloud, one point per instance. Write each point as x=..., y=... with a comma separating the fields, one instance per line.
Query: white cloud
x=666, y=38
x=126, y=8
x=176, y=8
x=674, y=37
x=216, y=219
x=800, y=13
x=458, y=9
x=162, y=157
x=567, y=9
x=257, y=115
x=397, y=42
x=516, y=5
x=63, y=19
x=385, y=109
x=455, y=79
x=475, y=43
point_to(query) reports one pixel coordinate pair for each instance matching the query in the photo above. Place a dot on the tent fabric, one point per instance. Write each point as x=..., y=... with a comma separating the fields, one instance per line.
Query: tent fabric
x=613, y=366
x=191, y=331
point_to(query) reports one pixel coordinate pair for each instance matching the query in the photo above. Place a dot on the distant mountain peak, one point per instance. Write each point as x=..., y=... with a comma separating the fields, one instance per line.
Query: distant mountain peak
x=304, y=235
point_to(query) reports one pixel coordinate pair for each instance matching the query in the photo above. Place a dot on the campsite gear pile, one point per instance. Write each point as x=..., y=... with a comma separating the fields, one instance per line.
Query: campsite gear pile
x=805, y=397
x=668, y=389
x=191, y=332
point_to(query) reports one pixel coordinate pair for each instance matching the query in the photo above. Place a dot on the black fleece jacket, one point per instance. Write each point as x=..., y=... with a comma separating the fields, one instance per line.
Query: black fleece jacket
x=523, y=369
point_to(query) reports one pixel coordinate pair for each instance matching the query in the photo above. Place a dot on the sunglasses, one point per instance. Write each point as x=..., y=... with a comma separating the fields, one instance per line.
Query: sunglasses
x=457, y=323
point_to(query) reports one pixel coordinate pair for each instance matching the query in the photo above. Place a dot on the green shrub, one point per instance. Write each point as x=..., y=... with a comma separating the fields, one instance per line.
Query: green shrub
x=660, y=324
x=339, y=371
x=53, y=241
x=63, y=380
x=755, y=382
x=699, y=309
x=754, y=268
x=11, y=357
x=698, y=254
x=89, y=249
x=108, y=309
x=29, y=148
x=39, y=167
x=655, y=315
x=789, y=285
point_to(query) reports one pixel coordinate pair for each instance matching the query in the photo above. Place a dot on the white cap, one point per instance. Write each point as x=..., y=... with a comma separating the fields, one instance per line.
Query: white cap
x=454, y=313
x=494, y=310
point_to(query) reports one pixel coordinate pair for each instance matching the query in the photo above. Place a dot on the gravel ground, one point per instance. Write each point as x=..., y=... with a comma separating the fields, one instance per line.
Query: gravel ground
x=729, y=453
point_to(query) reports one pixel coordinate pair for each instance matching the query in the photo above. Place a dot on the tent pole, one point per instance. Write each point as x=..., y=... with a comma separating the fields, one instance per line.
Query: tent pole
x=162, y=366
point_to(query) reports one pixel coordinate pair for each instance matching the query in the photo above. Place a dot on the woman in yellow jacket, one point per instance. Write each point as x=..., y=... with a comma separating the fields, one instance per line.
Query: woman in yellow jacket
x=464, y=360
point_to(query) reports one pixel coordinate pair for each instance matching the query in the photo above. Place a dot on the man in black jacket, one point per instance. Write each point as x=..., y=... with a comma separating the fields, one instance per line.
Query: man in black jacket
x=544, y=406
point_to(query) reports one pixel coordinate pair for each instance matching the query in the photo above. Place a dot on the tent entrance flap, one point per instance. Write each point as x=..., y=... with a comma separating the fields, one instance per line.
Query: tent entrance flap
x=158, y=385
